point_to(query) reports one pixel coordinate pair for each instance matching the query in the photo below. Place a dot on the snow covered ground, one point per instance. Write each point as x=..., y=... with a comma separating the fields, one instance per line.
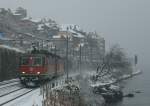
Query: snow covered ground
x=108, y=81
x=34, y=98
x=8, y=81
x=26, y=100
x=30, y=99
x=10, y=84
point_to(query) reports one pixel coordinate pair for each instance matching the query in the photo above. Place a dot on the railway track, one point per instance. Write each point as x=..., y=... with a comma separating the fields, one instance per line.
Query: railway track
x=8, y=86
x=8, y=82
x=5, y=99
x=10, y=91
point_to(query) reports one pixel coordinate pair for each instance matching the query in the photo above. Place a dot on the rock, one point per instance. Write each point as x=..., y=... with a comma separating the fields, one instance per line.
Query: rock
x=138, y=92
x=129, y=95
x=109, y=94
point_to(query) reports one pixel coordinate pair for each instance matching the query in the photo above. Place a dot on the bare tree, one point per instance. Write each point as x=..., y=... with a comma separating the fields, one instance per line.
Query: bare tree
x=115, y=61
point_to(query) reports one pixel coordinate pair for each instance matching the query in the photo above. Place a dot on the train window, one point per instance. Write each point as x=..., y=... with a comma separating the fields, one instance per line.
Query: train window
x=44, y=61
x=24, y=61
x=37, y=61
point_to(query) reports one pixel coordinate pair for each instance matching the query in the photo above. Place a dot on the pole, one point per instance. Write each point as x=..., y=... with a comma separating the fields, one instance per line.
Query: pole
x=55, y=62
x=67, y=58
x=80, y=61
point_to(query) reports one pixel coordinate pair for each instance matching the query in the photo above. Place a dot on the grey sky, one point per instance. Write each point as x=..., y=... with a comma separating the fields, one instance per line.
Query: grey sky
x=126, y=22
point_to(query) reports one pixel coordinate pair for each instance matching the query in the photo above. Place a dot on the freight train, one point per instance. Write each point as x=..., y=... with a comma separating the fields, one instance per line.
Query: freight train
x=39, y=66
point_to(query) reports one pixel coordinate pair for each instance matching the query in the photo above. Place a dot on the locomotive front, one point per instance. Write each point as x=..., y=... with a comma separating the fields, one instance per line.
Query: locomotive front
x=32, y=68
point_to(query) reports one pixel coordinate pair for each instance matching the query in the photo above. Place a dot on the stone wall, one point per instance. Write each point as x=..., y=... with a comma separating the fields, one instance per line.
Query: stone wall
x=9, y=61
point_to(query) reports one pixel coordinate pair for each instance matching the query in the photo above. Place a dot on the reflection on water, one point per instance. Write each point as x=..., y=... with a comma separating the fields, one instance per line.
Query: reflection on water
x=138, y=83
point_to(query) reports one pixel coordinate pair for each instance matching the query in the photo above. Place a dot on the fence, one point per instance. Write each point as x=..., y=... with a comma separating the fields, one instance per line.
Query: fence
x=60, y=93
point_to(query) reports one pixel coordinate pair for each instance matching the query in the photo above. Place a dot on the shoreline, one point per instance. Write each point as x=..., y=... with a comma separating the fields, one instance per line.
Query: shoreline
x=124, y=77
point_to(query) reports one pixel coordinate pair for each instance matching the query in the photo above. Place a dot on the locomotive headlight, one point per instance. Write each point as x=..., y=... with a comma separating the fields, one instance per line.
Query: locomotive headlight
x=38, y=72
x=23, y=72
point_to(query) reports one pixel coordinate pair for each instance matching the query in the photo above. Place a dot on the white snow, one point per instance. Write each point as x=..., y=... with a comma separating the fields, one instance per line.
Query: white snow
x=35, y=20
x=40, y=27
x=47, y=24
x=64, y=27
x=7, y=81
x=26, y=18
x=56, y=36
x=72, y=28
x=98, y=83
x=29, y=34
x=78, y=35
x=9, y=84
x=109, y=81
x=114, y=87
x=12, y=48
x=12, y=95
x=33, y=98
x=16, y=14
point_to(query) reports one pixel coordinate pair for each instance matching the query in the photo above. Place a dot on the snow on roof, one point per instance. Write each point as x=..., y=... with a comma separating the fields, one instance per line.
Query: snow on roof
x=26, y=18
x=40, y=27
x=73, y=29
x=57, y=36
x=16, y=14
x=12, y=48
x=78, y=35
x=50, y=24
x=35, y=20
x=65, y=27
x=47, y=24
x=29, y=34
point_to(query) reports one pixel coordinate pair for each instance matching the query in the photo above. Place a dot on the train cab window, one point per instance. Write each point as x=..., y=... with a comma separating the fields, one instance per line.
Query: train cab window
x=24, y=61
x=44, y=61
x=37, y=61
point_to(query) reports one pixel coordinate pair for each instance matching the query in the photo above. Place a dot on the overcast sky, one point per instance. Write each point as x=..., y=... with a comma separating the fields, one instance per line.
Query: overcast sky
x=126, y=22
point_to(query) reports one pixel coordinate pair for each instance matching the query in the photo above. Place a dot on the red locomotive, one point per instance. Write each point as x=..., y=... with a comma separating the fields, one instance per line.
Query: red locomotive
x=40, y=65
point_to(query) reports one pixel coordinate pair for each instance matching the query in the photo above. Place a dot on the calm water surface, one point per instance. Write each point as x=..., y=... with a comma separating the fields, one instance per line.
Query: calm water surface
x=140, y=83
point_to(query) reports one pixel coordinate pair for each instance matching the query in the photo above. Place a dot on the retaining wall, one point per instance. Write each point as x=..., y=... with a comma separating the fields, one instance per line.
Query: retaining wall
x=9, y=61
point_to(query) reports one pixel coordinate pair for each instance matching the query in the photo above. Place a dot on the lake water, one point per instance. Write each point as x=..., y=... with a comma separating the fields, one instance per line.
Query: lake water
x=137, y=83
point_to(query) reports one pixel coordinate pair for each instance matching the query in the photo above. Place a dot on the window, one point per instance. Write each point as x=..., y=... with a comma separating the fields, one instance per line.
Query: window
x=33, y=61
x=37, y=61
x=25, y=61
